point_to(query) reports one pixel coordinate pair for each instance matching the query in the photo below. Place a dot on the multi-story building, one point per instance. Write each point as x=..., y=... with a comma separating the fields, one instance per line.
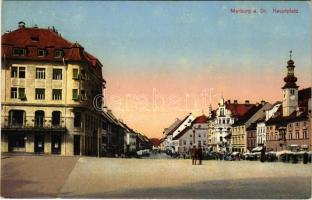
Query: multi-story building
x=261, y=128
x=170, y=144
x=251, y=136
x=48, y=85
x=291, y=127
x=239, y=133
x=226, y=114
x=194, y=134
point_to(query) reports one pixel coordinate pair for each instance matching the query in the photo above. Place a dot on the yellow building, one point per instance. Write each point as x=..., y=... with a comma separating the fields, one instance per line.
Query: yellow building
x=48, y=87
x=239, y=128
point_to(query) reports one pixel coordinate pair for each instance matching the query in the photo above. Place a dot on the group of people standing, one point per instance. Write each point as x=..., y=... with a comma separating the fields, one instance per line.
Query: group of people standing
x=197, y=154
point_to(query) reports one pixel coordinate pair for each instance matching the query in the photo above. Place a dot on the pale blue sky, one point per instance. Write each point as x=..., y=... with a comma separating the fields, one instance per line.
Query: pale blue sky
x=145, y=35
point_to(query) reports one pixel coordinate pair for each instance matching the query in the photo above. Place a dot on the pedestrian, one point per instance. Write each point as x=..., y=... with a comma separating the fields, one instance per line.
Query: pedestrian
x=200, y=154
x=184, y=155
x=305, y=158
x=194, y=155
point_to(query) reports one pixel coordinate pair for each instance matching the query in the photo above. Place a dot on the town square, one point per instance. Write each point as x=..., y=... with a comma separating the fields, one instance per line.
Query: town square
x=173, y=100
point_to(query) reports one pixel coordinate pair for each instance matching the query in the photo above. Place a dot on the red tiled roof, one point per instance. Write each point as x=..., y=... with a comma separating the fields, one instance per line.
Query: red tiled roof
x=238, y=110
x=33, y=39
x=155, y=141
x=200, y=119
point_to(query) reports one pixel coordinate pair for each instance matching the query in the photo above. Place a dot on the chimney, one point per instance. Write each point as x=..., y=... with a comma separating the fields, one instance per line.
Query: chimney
x=257, y=104
x=21, y=24
x=246, y=101
x=235, y=101
x=263, y=102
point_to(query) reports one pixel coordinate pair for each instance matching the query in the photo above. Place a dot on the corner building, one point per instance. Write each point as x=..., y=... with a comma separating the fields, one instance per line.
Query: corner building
x=48, y=86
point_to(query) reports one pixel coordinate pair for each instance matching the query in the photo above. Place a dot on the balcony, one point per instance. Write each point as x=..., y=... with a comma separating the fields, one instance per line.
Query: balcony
x=42, y=128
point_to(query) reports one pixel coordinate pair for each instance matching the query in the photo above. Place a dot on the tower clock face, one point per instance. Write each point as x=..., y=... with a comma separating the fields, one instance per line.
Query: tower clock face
x=292, y=97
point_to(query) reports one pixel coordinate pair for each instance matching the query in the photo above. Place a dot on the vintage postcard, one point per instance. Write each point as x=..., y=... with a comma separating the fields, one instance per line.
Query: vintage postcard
x=156, y=99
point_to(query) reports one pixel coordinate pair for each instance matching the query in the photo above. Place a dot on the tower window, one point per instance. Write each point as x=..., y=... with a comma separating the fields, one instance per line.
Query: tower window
x=292, y=92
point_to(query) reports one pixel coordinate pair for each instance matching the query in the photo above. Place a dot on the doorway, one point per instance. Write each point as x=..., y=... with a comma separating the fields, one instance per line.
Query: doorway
x=76, y=144
x=39, y=144
x=56, y=144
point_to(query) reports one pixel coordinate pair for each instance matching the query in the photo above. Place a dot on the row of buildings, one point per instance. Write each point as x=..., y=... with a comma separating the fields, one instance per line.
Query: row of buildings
x=246, y=127
x=51, y=92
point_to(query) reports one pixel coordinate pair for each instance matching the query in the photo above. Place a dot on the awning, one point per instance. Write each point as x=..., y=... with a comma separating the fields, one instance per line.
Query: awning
x=257, y=149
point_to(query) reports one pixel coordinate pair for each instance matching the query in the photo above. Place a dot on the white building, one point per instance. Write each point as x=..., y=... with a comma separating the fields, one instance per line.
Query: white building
x=195, y=134
x=170, y=144
x=261, y=128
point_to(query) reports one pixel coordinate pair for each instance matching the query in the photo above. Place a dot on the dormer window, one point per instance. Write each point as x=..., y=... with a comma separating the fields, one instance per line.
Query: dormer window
x=58, y=54
x=42, y=52
x=19, y=52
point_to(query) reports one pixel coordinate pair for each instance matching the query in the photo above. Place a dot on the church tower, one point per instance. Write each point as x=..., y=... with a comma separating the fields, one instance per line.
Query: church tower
x=290, y=89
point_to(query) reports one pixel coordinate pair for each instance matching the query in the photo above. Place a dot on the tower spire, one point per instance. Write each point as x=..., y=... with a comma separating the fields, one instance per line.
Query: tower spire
x=290, y=54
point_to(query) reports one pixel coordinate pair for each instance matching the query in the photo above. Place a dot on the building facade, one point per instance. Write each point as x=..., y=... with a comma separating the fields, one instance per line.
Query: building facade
x=239, y=136
x=194, y=134
x=261, y=127
x=48, y=85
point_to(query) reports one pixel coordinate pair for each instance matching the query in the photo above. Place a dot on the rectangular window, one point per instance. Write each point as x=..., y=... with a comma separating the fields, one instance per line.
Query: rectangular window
x=290, y=135
x=297, y=135
x=75, y=73
x=83, y=74
x=19, y=52
x=58, y=54
x=40, y=93
x=40, y=73
x=75, y=94
x=305, y=134
x=13, y=93
x=42, y=52
x=57, y=74
x=14, y=72
x=77, y=119
x=22, y=72
x=56, y=94
x=21, y=93
x=83, y=95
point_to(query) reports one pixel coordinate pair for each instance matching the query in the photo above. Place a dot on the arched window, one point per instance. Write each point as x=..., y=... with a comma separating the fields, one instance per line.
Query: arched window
x=17, y=118
x=39, y=118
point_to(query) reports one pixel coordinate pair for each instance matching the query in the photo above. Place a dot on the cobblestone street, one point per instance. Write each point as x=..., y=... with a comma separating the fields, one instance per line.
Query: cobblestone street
x=50, y=176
